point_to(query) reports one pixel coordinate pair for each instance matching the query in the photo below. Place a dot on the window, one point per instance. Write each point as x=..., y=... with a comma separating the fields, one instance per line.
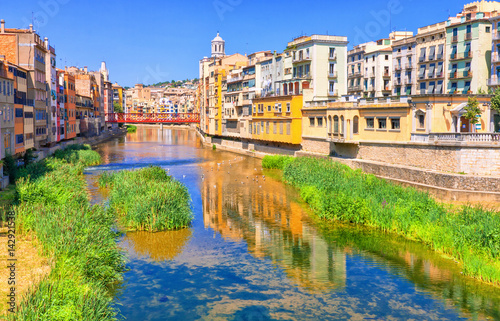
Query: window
x=332, y=52
x=288, y=108
x=488, y=29
x=395, y=123
x=268, y=107
x=332, y=88
x=275, y=128
x=281, y=128
x=336, y=124
x=19, y=139
x=355, y=125
x=386, y=57
x=421, y=121
x=19, y=113
x=267, y=127
x=320, y=122
x=382, y=123
x=311, y=121
x=370, y=123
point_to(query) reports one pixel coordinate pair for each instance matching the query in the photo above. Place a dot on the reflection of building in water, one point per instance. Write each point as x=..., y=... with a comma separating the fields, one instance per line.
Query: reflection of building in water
x=159, y=246
x=262, y=214
x=167, y=135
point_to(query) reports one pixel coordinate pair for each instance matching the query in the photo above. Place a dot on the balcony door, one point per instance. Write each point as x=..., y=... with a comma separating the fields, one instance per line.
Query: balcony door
x=465, y=125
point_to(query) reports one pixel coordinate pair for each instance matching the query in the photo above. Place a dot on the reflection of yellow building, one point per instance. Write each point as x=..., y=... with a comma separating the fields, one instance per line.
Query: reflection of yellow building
x=159, y=246
x=277, y=119
x=261, y=213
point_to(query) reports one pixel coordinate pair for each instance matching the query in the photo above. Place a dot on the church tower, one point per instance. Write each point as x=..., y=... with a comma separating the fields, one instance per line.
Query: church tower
x=218, y=47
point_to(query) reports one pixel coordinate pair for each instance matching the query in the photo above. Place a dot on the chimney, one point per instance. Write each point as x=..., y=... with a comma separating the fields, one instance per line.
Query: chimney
x=2, y=22
x=31, y=27
x=46, y=43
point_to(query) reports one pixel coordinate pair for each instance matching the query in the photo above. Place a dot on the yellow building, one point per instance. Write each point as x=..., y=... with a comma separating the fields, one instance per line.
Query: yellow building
x=342, y=127
x=277, y=119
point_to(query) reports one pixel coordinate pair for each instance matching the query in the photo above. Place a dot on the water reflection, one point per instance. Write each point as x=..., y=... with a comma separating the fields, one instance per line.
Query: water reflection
x=254, y=252
x=242, y=205
x=161, y=246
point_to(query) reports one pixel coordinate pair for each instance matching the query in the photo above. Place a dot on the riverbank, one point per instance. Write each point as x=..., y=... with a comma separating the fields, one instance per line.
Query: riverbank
x=446, y=187
x=52, y=207
x=470, y=235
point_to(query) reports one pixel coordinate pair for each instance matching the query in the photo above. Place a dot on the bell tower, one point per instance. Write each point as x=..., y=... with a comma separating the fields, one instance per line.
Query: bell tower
x=218, y=47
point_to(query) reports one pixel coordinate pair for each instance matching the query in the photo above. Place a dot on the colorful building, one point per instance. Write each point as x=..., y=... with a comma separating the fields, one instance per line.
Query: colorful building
x=277, y=119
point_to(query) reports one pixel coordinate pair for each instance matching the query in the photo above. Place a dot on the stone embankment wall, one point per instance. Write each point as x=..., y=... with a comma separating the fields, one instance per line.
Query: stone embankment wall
x=468, y=158
x=390, y=161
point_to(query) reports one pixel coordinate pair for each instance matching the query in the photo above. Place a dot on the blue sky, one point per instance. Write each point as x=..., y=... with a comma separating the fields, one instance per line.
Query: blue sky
x=151, y=40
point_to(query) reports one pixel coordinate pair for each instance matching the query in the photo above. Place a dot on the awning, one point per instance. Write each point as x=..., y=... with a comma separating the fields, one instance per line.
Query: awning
x=431, y=88
x=422, y=71
x=431, y=69
x=422, y=54
x=440, y=51
x=440, y=68
x=439, y=89
x=433, y=51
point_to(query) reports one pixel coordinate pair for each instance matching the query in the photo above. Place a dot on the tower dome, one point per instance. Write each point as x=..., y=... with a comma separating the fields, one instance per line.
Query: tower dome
x=218, y=47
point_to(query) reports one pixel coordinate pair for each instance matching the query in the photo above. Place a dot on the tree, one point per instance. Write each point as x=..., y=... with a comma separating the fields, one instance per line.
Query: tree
x=472, y=111
x=117, y=108
x=495, y=101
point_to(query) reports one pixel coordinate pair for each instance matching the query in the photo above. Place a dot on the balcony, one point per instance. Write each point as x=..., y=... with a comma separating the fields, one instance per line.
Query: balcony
x=386, y=74
x=333, y=93
x=302, y=59
x=397, y=81
x=234, y=79
x=354, y=75
x=454, y=39
x=409, y=66
x=461, y=56
x=494, y=81
x=333, y=57
x=397, y=67
x=495, y=57
x=461, y=75
x=496, y=35
x=302, y=77
x=332, y=74
x=387, y=88
x=421, y=58
x=468, y=36
x=354, y=88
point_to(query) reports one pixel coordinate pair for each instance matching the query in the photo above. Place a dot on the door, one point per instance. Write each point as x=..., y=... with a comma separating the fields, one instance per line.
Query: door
x=496, y=119
x=465, y=127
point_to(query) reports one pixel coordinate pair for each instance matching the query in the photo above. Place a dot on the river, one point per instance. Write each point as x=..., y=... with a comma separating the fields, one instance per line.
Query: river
x=255, y=252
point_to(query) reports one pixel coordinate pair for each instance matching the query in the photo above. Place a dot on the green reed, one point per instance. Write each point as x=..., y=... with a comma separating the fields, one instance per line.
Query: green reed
x=334, y=191
x=148, y=199
x=131, y=128
x=52, y=203
x=276, y=161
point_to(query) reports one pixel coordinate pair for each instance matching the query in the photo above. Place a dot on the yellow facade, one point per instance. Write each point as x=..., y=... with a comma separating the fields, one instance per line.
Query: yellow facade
x=277, y=119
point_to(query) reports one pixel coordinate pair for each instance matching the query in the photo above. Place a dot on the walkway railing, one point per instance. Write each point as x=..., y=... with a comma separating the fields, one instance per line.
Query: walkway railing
x=457, y=137
x=152, y=118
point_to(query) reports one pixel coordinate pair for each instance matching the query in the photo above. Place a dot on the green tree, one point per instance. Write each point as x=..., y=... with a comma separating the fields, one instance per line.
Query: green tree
x=495, y=101
x=472, y=111
x=117, y=108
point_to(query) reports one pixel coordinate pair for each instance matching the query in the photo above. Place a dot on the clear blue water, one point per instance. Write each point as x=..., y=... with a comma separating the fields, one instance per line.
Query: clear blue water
x=255, y=252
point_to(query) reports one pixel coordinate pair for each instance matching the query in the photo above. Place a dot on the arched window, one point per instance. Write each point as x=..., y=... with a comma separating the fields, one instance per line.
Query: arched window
x=329, y=124
x=336, y=124
x=355, y=126
x=342, y=125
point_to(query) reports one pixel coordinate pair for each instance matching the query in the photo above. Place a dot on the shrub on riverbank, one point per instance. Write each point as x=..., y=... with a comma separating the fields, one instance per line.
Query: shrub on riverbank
x=131, y=129
x=336, y=192
x=53, y=204
x=276, y=161
x=148, y=199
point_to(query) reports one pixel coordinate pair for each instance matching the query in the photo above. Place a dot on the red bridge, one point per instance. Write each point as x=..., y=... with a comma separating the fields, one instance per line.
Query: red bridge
x=153, y=118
